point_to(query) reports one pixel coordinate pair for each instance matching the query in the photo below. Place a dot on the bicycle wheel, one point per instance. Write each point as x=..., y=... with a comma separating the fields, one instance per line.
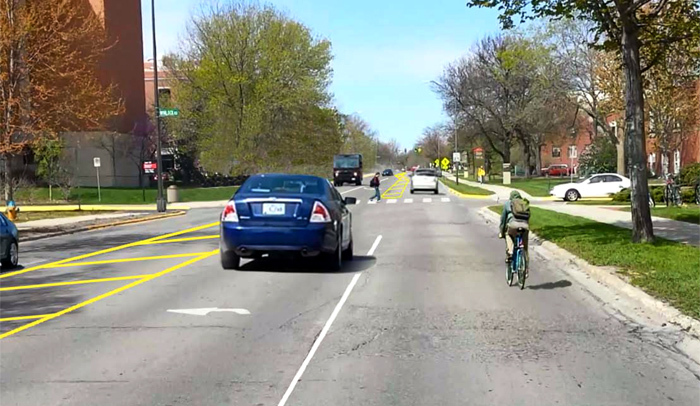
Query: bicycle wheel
x=509, y=272
x=521, y=271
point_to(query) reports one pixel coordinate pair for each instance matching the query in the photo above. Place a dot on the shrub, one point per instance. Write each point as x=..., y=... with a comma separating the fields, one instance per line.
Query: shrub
x=690, y=174
x=657, y=193
x=688, y=195
x=622, y=196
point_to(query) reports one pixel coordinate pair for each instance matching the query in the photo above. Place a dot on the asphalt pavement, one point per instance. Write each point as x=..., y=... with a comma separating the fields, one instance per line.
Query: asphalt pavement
x=422, y=316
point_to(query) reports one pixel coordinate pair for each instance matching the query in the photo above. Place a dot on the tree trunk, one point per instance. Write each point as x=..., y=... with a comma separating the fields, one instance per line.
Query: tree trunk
x=635, y=140
x=528, y=160
x=8, y=177
x=538, y=159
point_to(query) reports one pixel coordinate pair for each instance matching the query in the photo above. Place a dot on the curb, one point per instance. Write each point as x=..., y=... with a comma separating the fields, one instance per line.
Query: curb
x=468, y=196
x=688, y=344
x=93, y=207
x=101, y=226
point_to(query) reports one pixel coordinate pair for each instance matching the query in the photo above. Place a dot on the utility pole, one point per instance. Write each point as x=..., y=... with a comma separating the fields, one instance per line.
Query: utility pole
x=160, y=200
x=454, y=129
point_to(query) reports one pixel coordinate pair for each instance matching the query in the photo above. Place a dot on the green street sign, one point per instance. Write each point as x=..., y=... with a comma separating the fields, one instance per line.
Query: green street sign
x=169, y=112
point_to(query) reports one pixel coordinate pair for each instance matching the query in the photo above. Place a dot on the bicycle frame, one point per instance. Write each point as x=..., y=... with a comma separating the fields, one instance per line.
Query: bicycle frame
x=517, y=252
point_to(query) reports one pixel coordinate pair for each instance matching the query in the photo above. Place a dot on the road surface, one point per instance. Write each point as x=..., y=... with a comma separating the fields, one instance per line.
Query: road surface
x=423, y=316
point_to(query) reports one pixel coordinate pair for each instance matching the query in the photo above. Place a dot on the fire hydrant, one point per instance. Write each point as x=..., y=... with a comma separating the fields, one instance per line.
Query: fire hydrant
x=12, y=210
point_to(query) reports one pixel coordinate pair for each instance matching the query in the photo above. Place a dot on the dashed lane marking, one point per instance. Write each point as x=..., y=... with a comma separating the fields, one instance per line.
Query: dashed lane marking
x=445, y=199
x=427, y=200
x=391, y=201
x=408, y=201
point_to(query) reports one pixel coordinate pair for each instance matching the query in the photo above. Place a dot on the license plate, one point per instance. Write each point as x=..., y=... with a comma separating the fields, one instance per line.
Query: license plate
x=273, y=209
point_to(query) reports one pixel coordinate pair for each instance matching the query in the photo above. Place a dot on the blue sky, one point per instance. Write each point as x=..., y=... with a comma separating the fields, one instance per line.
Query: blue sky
x=385, y=52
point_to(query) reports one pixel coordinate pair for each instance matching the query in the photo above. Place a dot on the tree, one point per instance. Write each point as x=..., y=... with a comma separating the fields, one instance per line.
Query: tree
x=642, y=32
x=359, y=138
x=599, y=157
x=507, y=89
x=48, y=153
x=251, y=83
x=434, y=142
x=49, y=83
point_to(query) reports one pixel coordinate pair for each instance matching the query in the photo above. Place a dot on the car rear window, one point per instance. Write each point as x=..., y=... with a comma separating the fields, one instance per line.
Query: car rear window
x=425, y=172
x=278, y=184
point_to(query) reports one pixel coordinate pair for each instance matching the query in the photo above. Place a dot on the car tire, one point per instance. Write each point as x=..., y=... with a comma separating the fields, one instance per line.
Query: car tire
x=358, y=183
x=11, y=256
x=572, y=195
x=230, y=260
x=436, y=191
x=412, y=191
x=334, y=260
x=349, y=253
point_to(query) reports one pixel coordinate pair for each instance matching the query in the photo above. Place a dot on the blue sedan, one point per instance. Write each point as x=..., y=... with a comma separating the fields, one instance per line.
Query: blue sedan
x=286, y=213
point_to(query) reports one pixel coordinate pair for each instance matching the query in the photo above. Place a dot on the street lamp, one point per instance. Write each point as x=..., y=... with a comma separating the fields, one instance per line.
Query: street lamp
x=161, y=203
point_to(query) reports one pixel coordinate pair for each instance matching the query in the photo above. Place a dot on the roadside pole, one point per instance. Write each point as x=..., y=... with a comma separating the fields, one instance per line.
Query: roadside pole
x=96, y=162
x=160, y=200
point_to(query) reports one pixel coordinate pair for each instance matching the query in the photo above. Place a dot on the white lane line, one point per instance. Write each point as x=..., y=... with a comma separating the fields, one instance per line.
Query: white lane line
x=325, y=329
x=391, y=201
x=408, y=200
x=371, y=202
x=427, y=200
x=445, y=199
x=348, y=191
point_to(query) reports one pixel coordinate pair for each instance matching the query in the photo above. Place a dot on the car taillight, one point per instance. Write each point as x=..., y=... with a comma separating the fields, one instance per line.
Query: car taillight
x=229, y=214
x=319, y=214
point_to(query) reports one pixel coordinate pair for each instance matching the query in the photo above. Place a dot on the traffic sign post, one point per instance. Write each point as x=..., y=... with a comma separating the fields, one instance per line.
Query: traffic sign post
x=456, y=158
x=96, y=163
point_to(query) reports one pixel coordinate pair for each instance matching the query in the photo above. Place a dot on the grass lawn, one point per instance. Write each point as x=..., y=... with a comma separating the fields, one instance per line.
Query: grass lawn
x=119, y=195
x=690, y=214
x=665, y=269
x=466, y=189
x=43, y=215
x=537, y=186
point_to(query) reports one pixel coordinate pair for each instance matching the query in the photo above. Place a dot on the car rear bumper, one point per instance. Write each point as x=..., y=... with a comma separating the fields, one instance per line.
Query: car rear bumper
x=248, y=240
x=424, y=186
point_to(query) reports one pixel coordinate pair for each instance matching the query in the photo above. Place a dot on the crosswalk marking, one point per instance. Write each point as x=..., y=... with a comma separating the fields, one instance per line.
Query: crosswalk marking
x=427, y=200
x=371, y=202
x=408, y=201
x=390, y=201
x=445, y=199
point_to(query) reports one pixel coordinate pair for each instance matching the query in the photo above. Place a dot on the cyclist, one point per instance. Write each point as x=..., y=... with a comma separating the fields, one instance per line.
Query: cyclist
x=515, y=215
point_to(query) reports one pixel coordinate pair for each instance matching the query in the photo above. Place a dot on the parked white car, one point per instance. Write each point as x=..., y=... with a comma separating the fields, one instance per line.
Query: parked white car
x=424, y=179
x=599, y=185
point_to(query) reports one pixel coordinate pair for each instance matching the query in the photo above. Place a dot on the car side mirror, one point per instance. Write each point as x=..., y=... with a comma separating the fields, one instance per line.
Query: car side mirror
x=350, y=200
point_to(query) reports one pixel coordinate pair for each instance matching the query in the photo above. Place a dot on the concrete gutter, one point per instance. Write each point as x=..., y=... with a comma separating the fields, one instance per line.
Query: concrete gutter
x=91, y=227
x=671, y=328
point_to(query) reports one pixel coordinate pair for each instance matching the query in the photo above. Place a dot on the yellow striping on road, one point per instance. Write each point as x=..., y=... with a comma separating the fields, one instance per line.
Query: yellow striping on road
x=397, y=189
x=82, y=282
x=108, y=294
x=117, y=261
x=36, y=316
x=108, y=250
x=205, y=237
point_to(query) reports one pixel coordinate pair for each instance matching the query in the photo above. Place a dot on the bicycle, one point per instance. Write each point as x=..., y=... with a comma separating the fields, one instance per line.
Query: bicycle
x=518, y=263
x=672, y=195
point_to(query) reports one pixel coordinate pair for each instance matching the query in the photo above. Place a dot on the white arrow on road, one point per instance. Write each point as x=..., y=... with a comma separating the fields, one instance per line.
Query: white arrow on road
x=206, y=310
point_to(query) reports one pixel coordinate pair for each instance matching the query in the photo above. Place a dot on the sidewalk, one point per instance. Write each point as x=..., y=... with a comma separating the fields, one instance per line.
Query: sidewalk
x=500, y=192
x=680, y=231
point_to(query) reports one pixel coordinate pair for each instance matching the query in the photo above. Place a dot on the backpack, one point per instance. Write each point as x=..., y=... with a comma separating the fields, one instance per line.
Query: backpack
x=520, y=209
x=374, y=182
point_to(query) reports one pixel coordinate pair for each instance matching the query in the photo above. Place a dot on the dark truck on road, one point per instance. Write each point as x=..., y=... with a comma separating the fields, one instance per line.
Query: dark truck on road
x=347, y=168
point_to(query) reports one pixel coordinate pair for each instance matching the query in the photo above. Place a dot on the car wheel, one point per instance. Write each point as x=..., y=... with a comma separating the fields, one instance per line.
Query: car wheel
x=572, y=195
x=348, y=253
x=412, y=191
x=335, y=259
x=230, y=260
x=436, y=191
x=358, y=183
x=11, y=256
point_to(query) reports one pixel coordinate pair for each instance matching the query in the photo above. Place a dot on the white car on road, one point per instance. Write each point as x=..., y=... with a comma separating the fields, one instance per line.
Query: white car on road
x=599, y=185
x=424, y=179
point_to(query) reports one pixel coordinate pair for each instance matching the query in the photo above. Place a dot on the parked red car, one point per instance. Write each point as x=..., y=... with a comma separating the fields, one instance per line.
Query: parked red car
x=557, y=170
